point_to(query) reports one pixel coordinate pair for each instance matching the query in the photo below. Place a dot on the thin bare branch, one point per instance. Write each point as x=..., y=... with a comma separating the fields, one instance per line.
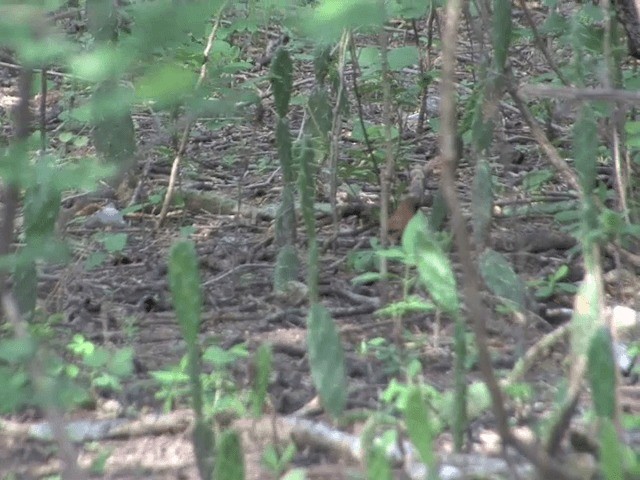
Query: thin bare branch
x=567, y=93
x=185, y=133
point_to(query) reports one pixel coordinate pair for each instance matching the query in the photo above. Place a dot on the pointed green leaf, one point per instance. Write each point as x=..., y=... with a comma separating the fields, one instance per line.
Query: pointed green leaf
x=184, y=282
x=230, y=457
x=438, y=211
x=403, y=57
x=262, y=367
x=434, y=268
x=322, y=62
x=326, y=359
x=417, y=421
x=284, y=143
x=585, y=147
x=286, y=270
x=331, y=17
x=602, y=374
x=320, y=113
x=502, y=31
x=584, y=322
x=282, y=80
x=501, y=279
x=482, y=202
x=611, y=453
x=378, y=467
x=203, y=446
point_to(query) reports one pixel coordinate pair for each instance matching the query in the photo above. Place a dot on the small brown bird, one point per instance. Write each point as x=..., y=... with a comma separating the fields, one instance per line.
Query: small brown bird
x=405, y=212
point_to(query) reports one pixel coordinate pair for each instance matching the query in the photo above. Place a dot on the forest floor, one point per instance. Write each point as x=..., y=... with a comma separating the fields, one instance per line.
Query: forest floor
x=124, y=301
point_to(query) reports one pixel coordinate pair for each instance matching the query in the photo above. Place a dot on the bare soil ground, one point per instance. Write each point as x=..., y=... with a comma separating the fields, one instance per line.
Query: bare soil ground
x=126, y=301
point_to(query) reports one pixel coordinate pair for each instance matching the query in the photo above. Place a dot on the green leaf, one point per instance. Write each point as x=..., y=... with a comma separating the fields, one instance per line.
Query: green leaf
x=585, y=316
x=16, y=350
x=115, y=242
x=113, y=130
x=555, y=24
x=184, y=282
x=282, y=80
x=286, y=270
x=611, y=452
x=219, y=357
x=326, y=359
x=585, y=147
x=331, y=17
x=284, y=143
x=412, y=304
x=80, y=141
x=121, y=362
x=482, y=202
x=369, y=60
x=414, y=9
x=320, y=113
x=98, y=358
x=366, y=278
x=536, y=179
x=230, y=458
x=438, y=211
x=16, y=390
x=322, y=62
x=307, y=184
x=204, y=445
x=501, y=32
x=42, y=200
x=402, y=57
x=295, y=474
x=262, y=365
x=417, y=421
x=95, y=259
x=434, y=268
x=164, y=85
x=602, y=374
x=378, y=467
x=66, y=137
x=25, y=284
x=501, y=279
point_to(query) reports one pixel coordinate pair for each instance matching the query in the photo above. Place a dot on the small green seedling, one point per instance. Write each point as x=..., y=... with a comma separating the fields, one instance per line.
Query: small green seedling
x=553, y=284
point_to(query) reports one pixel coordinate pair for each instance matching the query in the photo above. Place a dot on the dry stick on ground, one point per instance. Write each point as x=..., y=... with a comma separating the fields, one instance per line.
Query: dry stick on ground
x=546, y=465
x=185, y=134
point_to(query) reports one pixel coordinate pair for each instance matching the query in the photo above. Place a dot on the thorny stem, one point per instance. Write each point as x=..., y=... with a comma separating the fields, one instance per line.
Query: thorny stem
x=470, y=280
x=11, y=191
x=386, y=174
